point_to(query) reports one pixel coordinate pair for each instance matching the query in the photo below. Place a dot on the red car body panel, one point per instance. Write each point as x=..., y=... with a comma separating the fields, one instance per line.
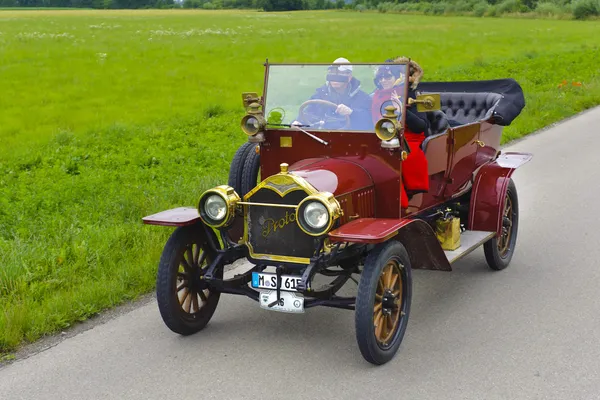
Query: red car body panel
x=416, y=235
x=352, y=185
x=353, y=156
x=368, y=230
x=489, y=191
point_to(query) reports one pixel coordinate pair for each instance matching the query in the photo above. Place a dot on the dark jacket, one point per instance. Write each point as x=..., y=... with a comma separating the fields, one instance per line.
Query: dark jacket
x=353, y=97
x=416, y=121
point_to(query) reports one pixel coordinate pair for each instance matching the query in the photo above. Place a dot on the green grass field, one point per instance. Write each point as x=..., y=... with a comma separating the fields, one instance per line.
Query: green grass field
x=107, y=116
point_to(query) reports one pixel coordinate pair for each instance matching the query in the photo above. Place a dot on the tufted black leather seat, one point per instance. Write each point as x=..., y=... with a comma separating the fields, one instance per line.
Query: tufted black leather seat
x=465, y=108
x=460, y=108
x=438, y=122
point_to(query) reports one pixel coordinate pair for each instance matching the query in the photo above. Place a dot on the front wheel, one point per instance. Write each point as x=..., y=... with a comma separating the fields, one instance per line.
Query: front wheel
x=499, y=250
x=185, y=301
x=383, y=302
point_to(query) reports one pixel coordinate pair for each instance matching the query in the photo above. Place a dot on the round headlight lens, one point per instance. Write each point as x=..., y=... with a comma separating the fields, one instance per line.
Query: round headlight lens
x=252, y=125
x=388, y=127
x=316, y=215
x=215, y=207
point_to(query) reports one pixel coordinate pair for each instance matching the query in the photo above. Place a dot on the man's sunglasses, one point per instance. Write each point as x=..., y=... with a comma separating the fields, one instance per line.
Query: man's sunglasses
x=338, y=78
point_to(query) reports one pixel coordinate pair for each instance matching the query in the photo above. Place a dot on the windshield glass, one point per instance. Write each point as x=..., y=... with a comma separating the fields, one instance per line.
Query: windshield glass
x=333, y=97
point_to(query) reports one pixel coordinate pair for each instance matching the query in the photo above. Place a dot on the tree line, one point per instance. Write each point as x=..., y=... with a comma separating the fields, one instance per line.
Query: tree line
x=100, y=4
x=546, y=8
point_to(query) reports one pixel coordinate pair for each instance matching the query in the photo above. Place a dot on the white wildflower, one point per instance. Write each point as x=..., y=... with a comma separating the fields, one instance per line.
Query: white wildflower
x=41, y=35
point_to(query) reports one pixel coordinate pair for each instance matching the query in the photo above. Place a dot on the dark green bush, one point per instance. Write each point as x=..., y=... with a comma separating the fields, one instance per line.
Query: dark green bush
x=548, y=9
x=492, y=11
x=480, y=9
x=511, y=6
x=586, y=8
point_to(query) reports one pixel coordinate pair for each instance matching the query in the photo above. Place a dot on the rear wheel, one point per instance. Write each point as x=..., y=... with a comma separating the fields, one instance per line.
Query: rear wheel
x=499, y=250
x=185, y=301
x=383, y=302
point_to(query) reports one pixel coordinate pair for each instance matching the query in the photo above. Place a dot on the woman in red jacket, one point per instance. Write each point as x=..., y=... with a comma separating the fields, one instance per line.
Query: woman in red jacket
x=389, y=81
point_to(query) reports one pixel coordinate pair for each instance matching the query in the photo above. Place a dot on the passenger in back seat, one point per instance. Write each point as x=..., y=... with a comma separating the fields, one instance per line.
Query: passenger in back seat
x=390, y=81
x=415, y=173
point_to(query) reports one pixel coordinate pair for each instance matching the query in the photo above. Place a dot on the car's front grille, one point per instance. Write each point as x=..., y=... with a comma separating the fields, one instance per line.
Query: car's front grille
x=272, y=232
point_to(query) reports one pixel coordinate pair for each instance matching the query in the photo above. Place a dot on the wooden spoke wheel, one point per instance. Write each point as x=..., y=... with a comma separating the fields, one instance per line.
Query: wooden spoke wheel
x=500, y=249
x=507, y=219
x=388, y=298
x=185, y=301
x=383, y=302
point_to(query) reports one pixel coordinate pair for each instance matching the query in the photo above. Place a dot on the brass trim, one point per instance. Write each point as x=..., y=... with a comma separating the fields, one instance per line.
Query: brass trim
x=271, y=257
x=249, y=203
x=231, y=199
x=327, y=246
x=283, y=180
x=285, y=141
x=249, y=98
x=480, y=143
x=426, y=102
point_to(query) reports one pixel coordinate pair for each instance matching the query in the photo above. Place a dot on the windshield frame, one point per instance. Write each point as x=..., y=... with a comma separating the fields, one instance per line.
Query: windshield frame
x=373, y=64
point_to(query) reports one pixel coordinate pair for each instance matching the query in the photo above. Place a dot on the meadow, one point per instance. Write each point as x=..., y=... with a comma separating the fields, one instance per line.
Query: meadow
x=108, y=116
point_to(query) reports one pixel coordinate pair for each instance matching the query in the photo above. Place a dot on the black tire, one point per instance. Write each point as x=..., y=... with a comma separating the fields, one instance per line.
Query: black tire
x=237, y=165
x=499, y=251
x=186, y=243
x=250, y=172
x=379, y=346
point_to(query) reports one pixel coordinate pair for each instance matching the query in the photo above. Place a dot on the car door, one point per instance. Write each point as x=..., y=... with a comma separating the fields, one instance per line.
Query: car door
x=489, y=143
x=463, y=145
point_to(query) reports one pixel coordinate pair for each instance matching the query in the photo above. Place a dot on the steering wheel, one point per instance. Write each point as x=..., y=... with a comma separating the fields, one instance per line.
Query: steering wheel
x=312, y=118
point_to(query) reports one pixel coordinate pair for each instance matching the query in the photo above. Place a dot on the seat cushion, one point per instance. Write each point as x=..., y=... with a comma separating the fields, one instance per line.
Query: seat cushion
x=469, y=107
x=438, y=122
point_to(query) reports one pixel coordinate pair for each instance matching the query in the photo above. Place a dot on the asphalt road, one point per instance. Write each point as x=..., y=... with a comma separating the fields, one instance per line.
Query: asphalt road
x=531, y=331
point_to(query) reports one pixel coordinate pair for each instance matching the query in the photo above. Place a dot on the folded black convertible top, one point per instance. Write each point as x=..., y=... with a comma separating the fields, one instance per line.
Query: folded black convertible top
x=506, y=110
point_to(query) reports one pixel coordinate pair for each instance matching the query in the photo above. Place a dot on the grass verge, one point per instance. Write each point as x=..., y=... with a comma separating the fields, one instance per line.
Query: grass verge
x=110, y=116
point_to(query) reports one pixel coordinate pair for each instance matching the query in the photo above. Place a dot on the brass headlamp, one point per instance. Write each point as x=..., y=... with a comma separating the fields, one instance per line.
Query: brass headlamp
x=254, y=122
x=317, y=213
x=217, y=206
x=387, y=127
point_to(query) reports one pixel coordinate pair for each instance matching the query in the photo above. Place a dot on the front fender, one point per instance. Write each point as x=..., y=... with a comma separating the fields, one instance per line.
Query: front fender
x=181, y=216
x=489, y=191
x=416, y=235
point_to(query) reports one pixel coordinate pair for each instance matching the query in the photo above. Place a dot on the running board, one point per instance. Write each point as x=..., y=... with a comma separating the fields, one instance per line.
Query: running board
x=469, y=241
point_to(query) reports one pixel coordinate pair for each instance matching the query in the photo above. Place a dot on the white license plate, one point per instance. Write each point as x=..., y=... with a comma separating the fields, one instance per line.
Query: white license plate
x=287, y=302
x=261, y=280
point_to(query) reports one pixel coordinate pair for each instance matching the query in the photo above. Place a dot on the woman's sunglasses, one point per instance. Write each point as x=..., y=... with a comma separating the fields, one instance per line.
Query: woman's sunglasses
x=386, y=77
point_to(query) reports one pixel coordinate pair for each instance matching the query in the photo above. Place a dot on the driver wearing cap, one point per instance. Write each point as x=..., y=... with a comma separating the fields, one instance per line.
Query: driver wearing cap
x=344, y=90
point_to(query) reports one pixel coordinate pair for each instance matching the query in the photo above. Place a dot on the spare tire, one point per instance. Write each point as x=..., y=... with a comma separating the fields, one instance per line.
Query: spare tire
x=236, y=231
x=237, y=166
x=250, y=172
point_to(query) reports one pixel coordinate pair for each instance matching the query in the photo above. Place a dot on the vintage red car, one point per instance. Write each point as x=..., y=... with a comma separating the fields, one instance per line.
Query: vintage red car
x=348, y=192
